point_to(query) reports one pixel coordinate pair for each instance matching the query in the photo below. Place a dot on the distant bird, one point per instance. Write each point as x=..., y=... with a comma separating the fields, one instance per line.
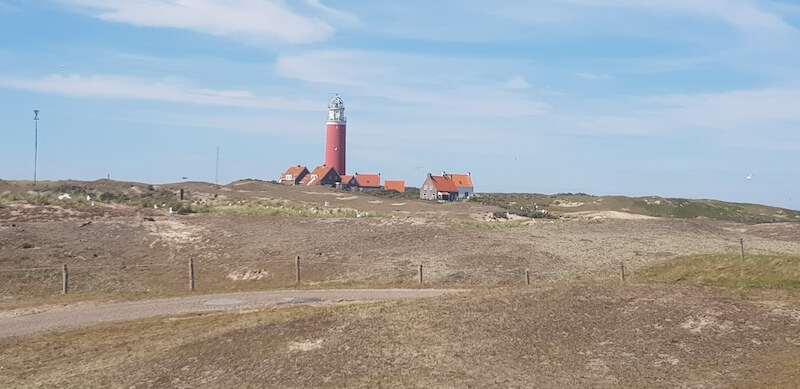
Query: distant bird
x=749, y=176
x=185, y=178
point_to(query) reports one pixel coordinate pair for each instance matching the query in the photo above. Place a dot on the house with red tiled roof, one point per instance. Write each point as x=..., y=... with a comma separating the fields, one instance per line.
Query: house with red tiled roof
x=438, y=188
x=294, y=175
x=348, y=182
x=397, y=186
x=368, y=181
x=322, y=175
x=464, y=184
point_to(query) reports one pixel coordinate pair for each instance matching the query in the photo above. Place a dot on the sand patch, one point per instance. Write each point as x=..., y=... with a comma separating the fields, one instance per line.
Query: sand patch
x=248, y=275
x=566, y=204
x=594, y=215
x=305, y=346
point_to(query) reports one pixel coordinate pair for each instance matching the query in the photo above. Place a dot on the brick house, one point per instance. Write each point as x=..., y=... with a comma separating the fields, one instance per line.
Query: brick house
x=348, y=182
x=368, y=182
x=464, y=184
x=438, y=188
x=294, y=175
x=322, y=175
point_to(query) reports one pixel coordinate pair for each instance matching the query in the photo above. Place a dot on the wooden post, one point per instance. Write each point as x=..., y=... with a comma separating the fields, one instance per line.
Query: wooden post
x=297, y=269
x=527, y=277
x=420, y=273
x=741, y=263
x=64, y=279
x=181, y=194
x=191, y=274
x=622, y=271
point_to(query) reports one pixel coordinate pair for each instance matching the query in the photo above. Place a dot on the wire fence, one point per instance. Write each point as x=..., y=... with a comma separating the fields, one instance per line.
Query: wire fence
x=248, y=274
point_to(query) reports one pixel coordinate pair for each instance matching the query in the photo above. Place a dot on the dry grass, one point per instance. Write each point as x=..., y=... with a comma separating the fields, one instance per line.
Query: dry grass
x=563, y=335
x=766, y=270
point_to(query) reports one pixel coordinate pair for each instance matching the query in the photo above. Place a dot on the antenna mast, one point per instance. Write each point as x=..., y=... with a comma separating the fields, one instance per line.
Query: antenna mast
x=35, y=143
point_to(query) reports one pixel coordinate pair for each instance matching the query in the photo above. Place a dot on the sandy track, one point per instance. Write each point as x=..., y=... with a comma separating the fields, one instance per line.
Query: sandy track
x=34, y=321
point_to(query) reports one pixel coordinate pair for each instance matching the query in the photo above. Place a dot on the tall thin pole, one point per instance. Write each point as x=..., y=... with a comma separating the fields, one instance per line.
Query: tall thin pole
x=216, y=175
x=35, y=143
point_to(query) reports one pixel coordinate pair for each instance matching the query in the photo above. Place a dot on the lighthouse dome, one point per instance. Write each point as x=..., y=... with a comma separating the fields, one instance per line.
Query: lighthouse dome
x=336, y=103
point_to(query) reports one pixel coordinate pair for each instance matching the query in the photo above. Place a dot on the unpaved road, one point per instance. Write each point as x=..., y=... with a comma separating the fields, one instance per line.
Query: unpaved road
x=30, y=321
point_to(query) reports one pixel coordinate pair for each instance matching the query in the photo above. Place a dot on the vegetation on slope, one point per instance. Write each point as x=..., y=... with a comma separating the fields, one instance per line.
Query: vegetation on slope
x=649, y=206
x=772, y=271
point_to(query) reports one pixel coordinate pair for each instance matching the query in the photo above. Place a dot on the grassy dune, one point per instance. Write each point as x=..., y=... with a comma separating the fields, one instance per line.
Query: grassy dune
x=772, y=271
x=562, y=335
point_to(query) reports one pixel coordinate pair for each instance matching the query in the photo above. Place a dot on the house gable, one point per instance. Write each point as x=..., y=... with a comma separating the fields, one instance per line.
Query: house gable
x=294, y=175
x=322, y=175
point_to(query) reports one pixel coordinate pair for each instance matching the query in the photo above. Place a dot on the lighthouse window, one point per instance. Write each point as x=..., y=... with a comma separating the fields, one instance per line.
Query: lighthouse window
x=335, y=149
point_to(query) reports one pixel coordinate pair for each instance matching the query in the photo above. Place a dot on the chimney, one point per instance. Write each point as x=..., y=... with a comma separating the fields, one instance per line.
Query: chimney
x=469, y=174
x=443, y=173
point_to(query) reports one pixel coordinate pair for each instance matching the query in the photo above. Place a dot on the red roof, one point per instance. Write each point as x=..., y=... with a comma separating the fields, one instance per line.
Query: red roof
x=368, y=180
x=316, y=176
x=346, y=180
x=460, y=180
x=295, y=171
x=444, y=184
x=399, y=186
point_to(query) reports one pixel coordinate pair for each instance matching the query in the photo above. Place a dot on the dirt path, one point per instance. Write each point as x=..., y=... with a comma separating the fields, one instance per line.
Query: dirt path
x=30, y=321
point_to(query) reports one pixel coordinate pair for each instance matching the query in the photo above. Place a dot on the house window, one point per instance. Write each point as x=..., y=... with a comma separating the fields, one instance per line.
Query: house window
x=288, y=176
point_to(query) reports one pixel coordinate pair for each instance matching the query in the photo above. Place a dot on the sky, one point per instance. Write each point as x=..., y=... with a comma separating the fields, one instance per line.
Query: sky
x=672, y=98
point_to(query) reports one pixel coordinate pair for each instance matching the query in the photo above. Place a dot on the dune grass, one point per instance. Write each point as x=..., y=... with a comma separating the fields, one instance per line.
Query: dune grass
x=489, y=225
x=269, y=208
x=768, y=271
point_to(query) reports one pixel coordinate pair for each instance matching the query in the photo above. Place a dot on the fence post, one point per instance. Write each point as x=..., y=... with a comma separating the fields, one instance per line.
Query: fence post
x=420, y=273
x=64, y=279
x=622, y=271
x=191, y=274
x=527, y=277
x=741, y=263
x=297, y=269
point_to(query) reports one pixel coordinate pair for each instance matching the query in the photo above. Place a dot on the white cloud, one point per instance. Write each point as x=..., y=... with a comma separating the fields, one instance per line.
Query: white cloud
x=434, y=85
x=756, y=20
x=594, y=76
x=757, y=110
x=518, y=82
x=119, y=87
x=336, y=16
x=745, y=15
x=759, y=114
x=252, y=21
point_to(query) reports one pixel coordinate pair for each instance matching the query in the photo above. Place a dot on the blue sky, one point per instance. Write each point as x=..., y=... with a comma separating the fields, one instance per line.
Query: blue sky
x=673, y=98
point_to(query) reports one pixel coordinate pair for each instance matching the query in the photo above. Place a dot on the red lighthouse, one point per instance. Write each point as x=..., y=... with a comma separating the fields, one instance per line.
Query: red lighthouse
x=336, y=134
